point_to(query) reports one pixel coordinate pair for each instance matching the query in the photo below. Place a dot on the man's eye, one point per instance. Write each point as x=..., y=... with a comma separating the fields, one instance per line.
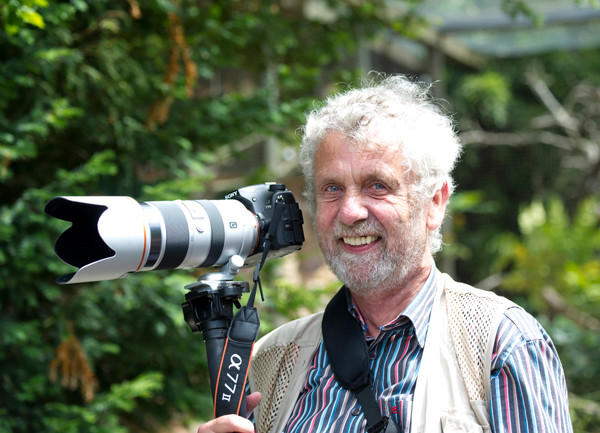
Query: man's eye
x=332, y=188
x=378, y=186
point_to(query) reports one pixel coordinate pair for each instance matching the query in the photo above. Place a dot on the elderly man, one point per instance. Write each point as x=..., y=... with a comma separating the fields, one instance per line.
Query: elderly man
x=442, y=356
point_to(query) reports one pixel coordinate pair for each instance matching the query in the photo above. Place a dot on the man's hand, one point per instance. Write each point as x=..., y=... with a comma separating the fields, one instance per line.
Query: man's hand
x=233, y=423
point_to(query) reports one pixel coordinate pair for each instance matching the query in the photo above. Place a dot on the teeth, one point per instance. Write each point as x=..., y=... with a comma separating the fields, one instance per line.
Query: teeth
x=359, y=240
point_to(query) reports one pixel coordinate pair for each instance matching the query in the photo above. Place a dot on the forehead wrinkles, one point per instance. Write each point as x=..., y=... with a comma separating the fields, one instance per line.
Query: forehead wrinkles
x=382, y=164
x=378, y=156
x=383, y=138
x=360, y=164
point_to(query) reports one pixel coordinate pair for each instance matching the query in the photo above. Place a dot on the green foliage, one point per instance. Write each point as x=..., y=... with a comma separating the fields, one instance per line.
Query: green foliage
x=555, y=268
x=123, y=330
x=556, y=252
x=286, y=300
x=512, y=226
x=140, y=99
x=101, y=415
x=486, y=95
x=17, y=13
x=511, y=165
x=516, y=8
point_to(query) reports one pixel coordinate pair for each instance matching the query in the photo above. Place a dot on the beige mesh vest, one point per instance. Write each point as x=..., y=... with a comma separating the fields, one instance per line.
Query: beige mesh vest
x=452, y=391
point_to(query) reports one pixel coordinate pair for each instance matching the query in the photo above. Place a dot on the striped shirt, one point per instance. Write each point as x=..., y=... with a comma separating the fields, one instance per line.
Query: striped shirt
x=528, y=389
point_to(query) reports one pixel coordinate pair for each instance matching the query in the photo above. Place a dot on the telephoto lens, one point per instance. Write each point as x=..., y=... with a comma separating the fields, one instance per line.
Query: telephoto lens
x=111, y=237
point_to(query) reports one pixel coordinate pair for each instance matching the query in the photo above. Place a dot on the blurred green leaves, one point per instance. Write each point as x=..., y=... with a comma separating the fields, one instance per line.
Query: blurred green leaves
x=17, y=13
x=142, y=99
x=486, y=96
x=556, y=252
x=554, y=268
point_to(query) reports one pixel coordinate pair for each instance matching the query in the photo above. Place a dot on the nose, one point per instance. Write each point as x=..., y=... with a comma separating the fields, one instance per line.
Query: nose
x=352, y=209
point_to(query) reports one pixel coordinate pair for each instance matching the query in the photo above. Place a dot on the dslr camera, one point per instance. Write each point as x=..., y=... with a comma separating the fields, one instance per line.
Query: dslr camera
x=111, y=237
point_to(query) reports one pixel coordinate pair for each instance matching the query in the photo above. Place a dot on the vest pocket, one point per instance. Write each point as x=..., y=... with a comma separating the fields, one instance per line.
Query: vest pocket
x=455, y=422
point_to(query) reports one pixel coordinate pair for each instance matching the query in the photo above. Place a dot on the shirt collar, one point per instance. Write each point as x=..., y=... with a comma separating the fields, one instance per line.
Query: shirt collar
x=418, y=312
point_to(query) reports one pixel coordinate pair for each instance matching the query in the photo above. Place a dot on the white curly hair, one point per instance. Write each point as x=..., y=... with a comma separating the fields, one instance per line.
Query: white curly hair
x=425, y=133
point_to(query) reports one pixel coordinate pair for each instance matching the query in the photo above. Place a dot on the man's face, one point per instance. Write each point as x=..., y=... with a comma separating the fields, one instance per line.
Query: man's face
x=371, y=235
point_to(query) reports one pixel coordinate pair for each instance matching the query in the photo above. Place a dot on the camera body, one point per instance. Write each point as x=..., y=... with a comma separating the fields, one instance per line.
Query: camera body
x=262, y=200
x=113, y=236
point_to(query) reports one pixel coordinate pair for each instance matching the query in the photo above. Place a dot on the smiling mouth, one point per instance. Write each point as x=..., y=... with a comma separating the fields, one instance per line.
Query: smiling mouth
x=359, y=240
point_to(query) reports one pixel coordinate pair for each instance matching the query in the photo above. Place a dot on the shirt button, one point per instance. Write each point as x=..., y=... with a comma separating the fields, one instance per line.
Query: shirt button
x=355, y=412
x=372, y=355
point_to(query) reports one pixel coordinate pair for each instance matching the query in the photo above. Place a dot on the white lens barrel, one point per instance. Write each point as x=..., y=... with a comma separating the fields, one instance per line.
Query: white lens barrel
x=218, y=230
x=152, y=235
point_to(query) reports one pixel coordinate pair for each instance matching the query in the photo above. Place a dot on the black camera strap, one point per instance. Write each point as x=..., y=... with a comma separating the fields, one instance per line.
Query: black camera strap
x=349, y=356
x=235, y=363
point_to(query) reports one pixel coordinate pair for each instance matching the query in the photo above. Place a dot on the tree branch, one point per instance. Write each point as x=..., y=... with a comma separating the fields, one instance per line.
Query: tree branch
x=558, y=304
x=541, y=89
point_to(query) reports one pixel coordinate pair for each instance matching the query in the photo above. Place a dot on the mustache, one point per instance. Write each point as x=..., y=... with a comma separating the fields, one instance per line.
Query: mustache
x=362, y=228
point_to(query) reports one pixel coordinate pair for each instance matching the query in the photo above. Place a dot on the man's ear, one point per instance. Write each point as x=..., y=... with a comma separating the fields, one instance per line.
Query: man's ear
x=437, y=207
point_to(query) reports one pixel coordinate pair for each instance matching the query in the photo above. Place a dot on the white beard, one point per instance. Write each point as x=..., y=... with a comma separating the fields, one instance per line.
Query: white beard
x=379, y=270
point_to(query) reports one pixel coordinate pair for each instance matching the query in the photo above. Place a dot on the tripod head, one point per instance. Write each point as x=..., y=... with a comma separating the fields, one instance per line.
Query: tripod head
x=212, y=297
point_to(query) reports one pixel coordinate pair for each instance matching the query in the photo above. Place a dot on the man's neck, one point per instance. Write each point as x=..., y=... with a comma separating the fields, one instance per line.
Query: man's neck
x=383, y=307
